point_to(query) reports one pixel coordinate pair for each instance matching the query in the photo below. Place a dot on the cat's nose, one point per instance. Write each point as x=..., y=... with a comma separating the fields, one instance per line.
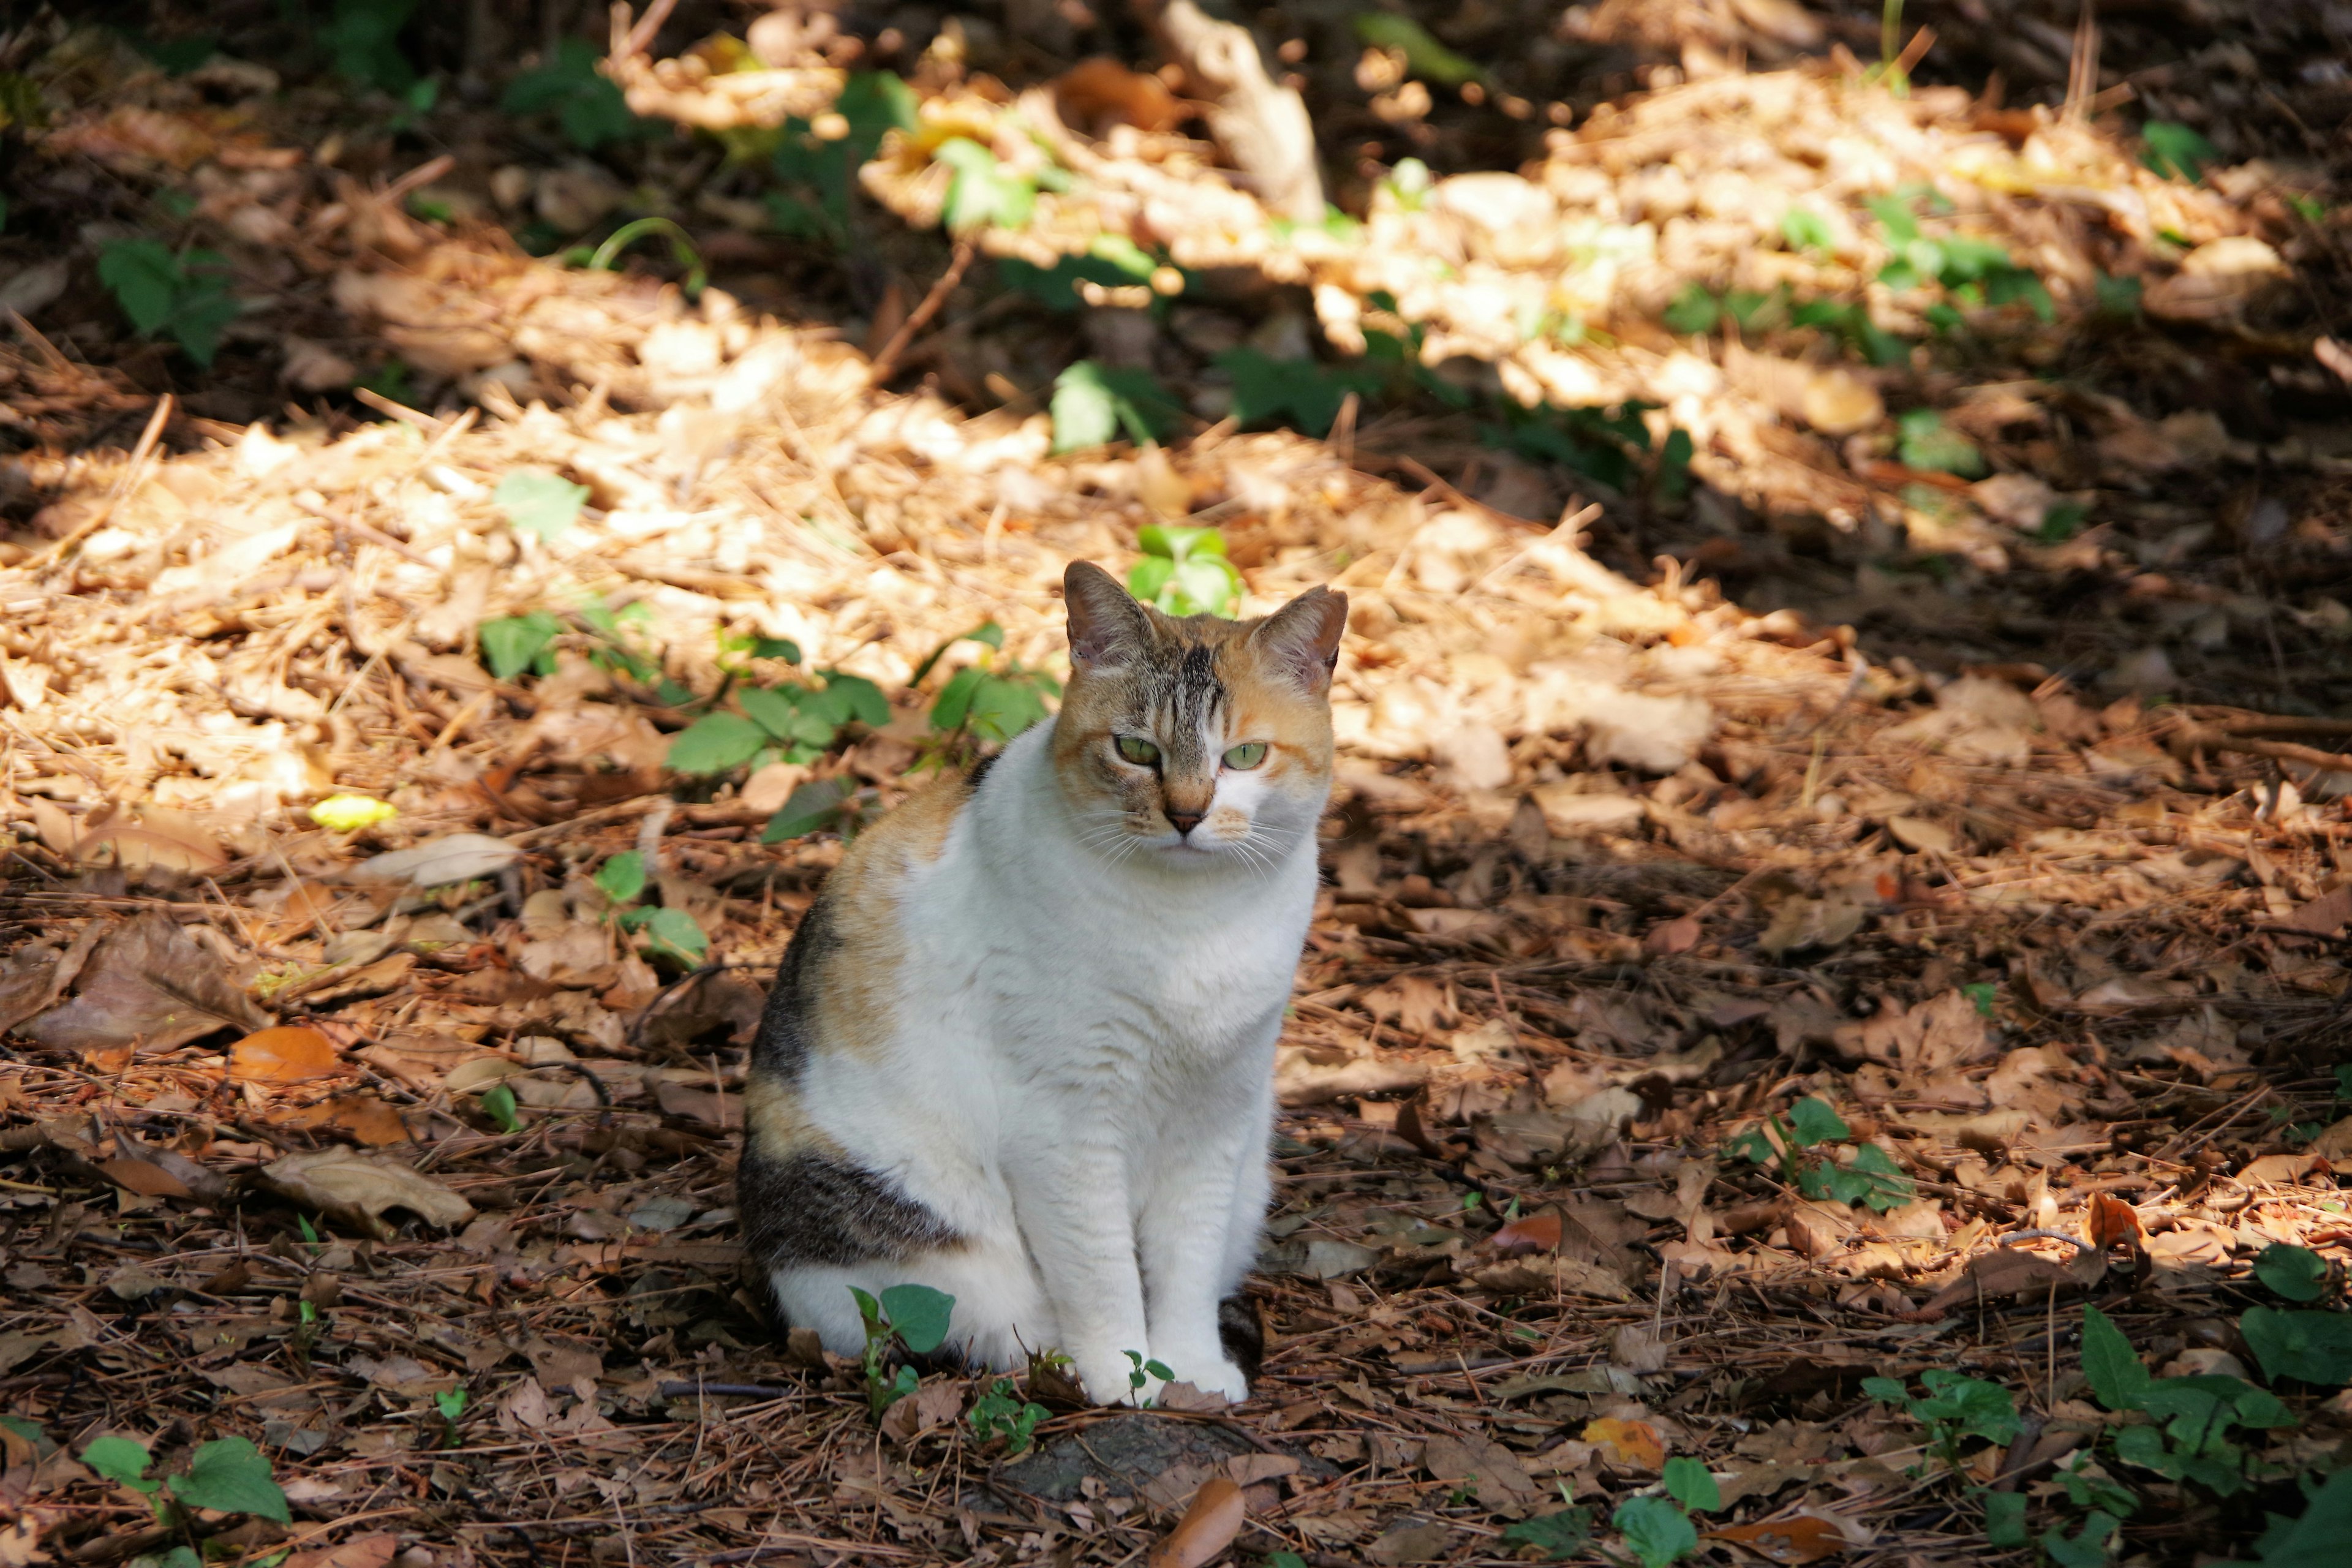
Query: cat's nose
x=1183, y=822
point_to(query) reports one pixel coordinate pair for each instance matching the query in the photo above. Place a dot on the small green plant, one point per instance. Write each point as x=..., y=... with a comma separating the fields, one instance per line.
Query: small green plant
x=1112, y=262
x=1424, y=57
x=990, y=701
x=2315, y=1539
x=1797, y=1144
x=227, y=1474
x=162, y=292
x=695, y=277
x=588, y=107
x=821, y=173
x=2297, y=1273
x=913, y=1317
x=451, y=1404
x=1807, y=231
x=1659, y=1529
x=363, y=38
x=1001, y=1412
x=2310, y=1347
x=1184, y=571
x=1093, y=404
x=2176, y=152
x=984, y=192
x=1954, y=1407
x=1408, y=185
x=1141, y=1372
x=785, y=722
x=542, y=504
x=1972, y=270
x=1924, y=441
x=672, y=933
x=499, y=1105
x=1559, y=1536
x=2188, y=1436
x=518, y=642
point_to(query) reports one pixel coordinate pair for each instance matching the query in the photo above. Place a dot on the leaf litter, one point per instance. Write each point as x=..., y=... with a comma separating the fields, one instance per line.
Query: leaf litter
x=1814, y=914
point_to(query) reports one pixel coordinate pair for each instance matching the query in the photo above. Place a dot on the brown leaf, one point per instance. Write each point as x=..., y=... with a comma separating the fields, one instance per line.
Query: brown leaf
x=359, y=1189
x=2112, y=1221
x=2325, y=915
x=1634, y=1443
x=144, y=1177
x=288, y=1054
x=2011, y=1271
x=1677, y=935
x=363, y=1551
x=35, y=976
x=1491, y=1469
x=710, y=1106
x=364, y=1116
x=2282, y=1170
x=1528, y=1233
x=148, y=983
x=1096, y=92
x=1803, y=1538
x=1209, y=1527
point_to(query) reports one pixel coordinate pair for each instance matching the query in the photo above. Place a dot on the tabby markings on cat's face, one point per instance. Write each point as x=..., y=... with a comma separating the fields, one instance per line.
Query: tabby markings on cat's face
x=1195, y=740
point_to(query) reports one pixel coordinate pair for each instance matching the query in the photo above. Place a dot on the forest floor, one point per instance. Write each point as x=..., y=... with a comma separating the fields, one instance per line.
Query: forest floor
x=1825, y=1037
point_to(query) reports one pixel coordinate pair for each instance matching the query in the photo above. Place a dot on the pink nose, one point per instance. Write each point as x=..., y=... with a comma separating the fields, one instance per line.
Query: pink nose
x=1183, y=822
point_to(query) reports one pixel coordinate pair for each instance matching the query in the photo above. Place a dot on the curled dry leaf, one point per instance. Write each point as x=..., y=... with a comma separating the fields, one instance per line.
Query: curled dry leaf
x=2009, y=1271
x=2112, y=1221
x=148, y=983
x=1803, y=1538
x=288, y=1054
x=360, y=1189
x=1208, y=1527
x=364, y=1116
x=1528, y=1233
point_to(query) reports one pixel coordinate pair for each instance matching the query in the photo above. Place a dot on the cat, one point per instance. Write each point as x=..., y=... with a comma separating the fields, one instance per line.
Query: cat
x=1020, y=1049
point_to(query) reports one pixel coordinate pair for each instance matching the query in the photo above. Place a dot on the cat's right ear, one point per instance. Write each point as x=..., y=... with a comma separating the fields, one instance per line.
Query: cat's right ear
x=1107, y=627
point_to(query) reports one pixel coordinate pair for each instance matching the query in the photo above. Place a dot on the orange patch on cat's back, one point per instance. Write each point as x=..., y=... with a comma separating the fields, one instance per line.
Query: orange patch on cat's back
x=859, y=981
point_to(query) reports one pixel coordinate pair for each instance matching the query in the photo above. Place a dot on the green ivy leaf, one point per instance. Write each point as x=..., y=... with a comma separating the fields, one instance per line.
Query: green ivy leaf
x=2176, y=152
x=231, y=1475
x=1556, y=1535
x=499, y=1105
x=919, y=1314
x=1924, y=441
x=2005, y=1518
x=2087, y=1548
x=813, y=805
x=540, y=504
x=119, y=1460
x=853, y=697
x=145, y=277
x=1806, y=231
x=675, y=933
x=1973, y=1407
x=622, y=878
x=2296, y=1273
x=1655, y=1530
x=1093, y=404
x=2116, y=1376
x=1815, y=1122
x=1003, y=707
x=1689, y=1483
x=2313, y=1347
x=517, y=643
x=714, y=743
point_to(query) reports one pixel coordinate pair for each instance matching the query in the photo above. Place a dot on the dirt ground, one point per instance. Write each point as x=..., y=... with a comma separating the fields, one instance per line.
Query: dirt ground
x=1823, y=1038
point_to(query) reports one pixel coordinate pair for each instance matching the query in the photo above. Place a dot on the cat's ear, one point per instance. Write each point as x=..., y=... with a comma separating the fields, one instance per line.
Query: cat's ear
x=1106, y=627
x=1302, y=638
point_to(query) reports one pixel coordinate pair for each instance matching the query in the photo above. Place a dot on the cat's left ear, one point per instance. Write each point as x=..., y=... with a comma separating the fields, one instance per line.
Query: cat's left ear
x=1302, y=638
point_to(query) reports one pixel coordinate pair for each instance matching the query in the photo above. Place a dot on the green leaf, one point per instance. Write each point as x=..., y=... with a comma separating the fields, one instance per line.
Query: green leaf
x=2115, y=1372
x=1150, y=577
x=854, y=698
x=1806, y=231
x=2005, y=1518
x=715, y=743
x=776, y=709
x=364, y=39
x=1556, y=1535
x=1972, y=1406
x=1003, y=707
x=919, y=1314
x=1694, y=309
x=1424, y=57
x=954, y=704
x=145, y=277
x=2316, y=1539
x=1093, y=404
x=499, y=1105
x=1872, y=1180
x=120, y=1460
x=1301, y=391
x=231, y=1475
x=2176, y=152
x=542, y=504
x=1814, y=1122
x=622, y=878
x=2296, y=1273
x=1886, y=1390
x=1655, y=1530
x=451, y=1402
x=675, y=933
x=514, y=644
x=2087, y=1548
x=1894, y=216
x=1924, y=442
x=983, y=192
x=868, y=1309
x=813, y=805
x=987, y=633
x=2016, y=286
x=2314, y=1347
x=1179, y=543
x=1689, y=1483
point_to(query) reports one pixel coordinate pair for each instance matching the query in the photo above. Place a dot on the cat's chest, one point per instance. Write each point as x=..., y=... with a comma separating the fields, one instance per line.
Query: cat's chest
x=1206, y=985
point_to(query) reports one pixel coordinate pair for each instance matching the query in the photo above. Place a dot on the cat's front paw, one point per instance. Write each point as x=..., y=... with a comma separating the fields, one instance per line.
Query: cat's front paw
x=1212, y=1373
x=1110, y=1379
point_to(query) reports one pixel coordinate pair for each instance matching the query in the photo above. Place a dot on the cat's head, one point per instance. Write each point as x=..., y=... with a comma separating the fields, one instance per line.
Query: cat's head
x=1196, y=741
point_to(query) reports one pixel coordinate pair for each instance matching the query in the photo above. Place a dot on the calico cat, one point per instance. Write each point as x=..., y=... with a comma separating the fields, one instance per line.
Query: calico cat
x=1020, y=1049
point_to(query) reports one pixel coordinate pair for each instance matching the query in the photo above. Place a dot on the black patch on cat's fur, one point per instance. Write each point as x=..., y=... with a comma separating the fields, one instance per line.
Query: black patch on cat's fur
x=977, y=771
x=1242, y=1333
x=813, y=1209
x=781, y=1046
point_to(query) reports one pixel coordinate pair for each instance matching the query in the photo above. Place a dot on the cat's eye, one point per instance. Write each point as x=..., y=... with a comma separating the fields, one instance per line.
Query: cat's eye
x=1246, y=756
x=1138, y=750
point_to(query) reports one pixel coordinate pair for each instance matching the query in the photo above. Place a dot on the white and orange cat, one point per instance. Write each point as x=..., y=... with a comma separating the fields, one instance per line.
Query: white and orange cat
x=1020, y=1049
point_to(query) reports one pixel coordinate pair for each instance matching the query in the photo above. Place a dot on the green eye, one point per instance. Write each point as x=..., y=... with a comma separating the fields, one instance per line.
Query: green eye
x=1246, y=756
x=1138, y=750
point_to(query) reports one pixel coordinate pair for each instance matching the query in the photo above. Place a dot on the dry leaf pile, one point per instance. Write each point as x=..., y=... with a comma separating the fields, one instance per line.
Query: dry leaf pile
x=392, y=1150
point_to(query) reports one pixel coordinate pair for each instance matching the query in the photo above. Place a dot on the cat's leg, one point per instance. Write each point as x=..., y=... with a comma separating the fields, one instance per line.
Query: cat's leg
x=1000, y=1315
x=1070, y=1192
x=1198, y=1236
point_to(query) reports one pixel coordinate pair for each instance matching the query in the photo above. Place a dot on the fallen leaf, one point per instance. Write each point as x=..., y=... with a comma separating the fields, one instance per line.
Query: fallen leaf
x=148, y=983
x=288, y=1054
x=1491, y=1470
x=359, y=1189
x=2112, y=1221
x=364, y=1116
x=1528, y=1233
x=1678, y=935
x=2011, y=1271
x=1634, y=1443
x=1919, y=833
x=1299, y=1081
x=144, y=1177
x=2282, y=1170
x=458, y=857
x=1802, y=1538
x=363, y=1551
x=1208, y=1527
